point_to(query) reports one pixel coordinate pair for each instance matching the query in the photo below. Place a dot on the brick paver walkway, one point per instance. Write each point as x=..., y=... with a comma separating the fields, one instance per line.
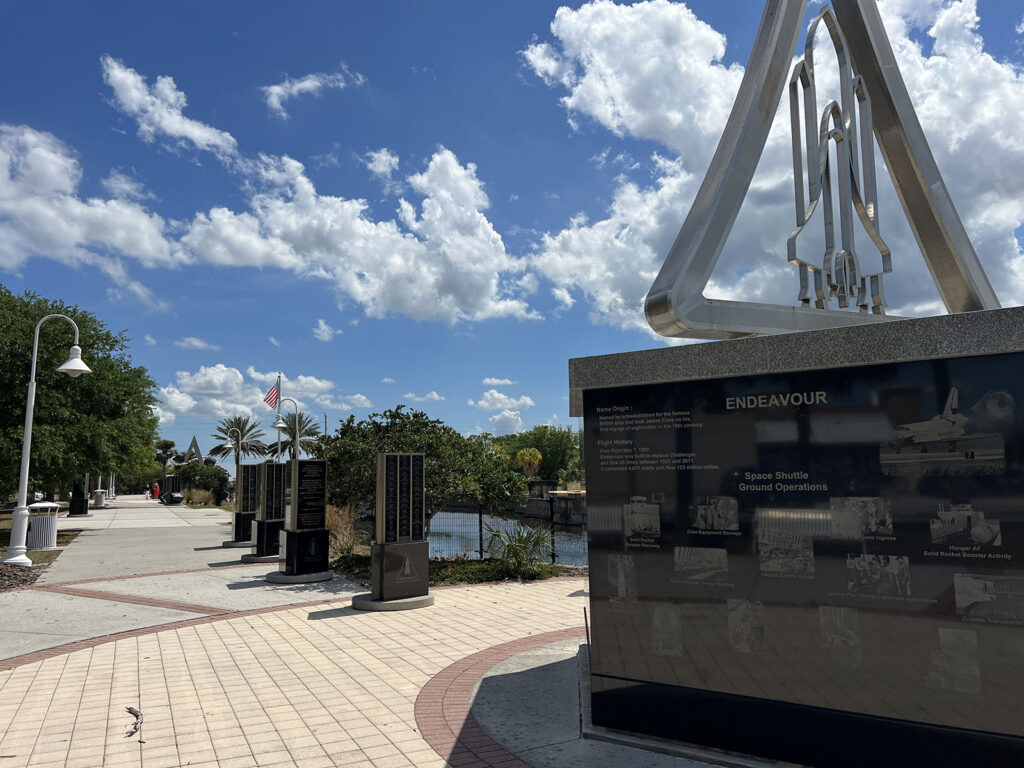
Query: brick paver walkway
x=309, y=686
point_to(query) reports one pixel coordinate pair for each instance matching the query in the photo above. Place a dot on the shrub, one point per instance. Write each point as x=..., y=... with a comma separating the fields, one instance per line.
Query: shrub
x=341, y=522
x=195, y=496
x=520, y=549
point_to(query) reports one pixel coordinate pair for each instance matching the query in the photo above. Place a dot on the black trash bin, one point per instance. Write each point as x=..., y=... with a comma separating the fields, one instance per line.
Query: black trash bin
x=171, y=499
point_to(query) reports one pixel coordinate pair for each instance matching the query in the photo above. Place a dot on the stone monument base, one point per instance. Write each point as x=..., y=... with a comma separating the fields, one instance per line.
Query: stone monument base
x=276, y=577
x=365, y=602
x=250, y=558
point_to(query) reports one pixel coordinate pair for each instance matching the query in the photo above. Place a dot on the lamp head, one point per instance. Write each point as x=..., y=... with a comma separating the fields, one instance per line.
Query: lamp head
x=280, y=424
x=74, y=366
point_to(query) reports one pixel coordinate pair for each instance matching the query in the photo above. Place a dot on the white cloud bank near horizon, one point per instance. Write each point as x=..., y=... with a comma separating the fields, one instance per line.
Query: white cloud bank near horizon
x=219, y=391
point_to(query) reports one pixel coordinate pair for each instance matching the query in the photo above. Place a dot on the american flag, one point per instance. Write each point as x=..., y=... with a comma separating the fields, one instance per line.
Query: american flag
x=271, y=397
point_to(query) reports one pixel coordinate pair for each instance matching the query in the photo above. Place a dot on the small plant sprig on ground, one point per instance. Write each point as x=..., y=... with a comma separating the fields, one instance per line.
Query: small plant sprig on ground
x=519, y=549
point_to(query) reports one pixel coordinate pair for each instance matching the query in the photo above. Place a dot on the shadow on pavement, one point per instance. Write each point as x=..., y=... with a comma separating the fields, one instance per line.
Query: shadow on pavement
x=332, y=613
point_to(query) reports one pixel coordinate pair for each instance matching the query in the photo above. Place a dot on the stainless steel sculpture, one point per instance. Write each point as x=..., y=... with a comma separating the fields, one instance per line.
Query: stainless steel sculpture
x=873, y=100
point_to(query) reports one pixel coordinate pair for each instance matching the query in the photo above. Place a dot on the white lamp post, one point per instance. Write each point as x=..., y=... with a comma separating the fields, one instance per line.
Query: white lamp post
x=238, y=454
x=73, y=367
x=281, y=425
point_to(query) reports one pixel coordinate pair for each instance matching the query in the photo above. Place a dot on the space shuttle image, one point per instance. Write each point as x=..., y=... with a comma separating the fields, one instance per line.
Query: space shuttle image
x=955, y=441
x=945, y=426
x=987, y=415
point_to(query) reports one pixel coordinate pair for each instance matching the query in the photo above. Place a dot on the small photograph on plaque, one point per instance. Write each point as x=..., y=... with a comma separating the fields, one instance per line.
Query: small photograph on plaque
x=955, y=441
x=622, y=578
x=840, y=631
x=955, y=664
x=962, y=525
x=666, y=630
x=746, y=626
x=701, y=565
x=878, y=575
x=860, y=517
x=995, y=599
x=715, y=513
x=641, y=522
x=784, y=553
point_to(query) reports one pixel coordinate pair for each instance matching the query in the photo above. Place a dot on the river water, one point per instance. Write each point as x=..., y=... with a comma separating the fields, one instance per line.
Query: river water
x=457, y=534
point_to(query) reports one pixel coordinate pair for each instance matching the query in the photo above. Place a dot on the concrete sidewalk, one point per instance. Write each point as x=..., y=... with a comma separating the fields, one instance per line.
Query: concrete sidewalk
x=231, y=671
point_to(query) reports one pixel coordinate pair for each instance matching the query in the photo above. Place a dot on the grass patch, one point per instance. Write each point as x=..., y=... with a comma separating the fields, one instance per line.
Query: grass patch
x=357, y=567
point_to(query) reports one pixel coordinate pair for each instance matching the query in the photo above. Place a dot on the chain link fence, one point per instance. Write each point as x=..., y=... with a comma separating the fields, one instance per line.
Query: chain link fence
x=461, y=530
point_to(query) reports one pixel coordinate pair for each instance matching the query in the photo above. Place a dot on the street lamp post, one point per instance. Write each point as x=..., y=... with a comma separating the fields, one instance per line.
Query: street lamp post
x=73, y=367
x=280, y=425
x=238, y=454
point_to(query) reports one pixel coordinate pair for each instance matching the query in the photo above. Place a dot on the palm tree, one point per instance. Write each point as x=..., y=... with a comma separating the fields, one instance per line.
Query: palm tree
x=247, y=441
x=308, y=432
x=529, y=460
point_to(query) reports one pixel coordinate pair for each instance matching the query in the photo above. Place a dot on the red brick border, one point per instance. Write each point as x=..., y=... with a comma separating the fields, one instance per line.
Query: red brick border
x=92, y=642
x=443, y=705
x=134, y=599
x=140, y=575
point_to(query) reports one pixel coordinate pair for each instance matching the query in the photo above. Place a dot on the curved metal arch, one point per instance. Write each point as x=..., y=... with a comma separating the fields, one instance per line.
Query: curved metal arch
x=675, y=304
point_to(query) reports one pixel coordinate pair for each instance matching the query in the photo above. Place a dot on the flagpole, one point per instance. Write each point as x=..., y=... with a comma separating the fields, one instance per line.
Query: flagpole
x=278, y=414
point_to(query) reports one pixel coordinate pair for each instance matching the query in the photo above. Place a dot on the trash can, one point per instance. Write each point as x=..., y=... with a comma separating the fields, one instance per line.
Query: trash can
x=42, y=525
x=99, y=499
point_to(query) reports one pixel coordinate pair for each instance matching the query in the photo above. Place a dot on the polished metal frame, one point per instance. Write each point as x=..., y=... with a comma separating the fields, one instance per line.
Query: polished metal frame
x=676, y=306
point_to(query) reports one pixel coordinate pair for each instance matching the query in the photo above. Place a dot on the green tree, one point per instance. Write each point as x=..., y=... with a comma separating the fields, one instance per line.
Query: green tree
x=247, y=441
x=457, y=468
x=164, y=451
x=203, y=477
x=99, y=423
x=559, y=448
x=307, y=430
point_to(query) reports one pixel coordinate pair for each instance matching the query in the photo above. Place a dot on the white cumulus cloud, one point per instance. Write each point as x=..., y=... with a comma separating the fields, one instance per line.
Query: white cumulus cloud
x=323, y=331
x=381, y=162
x=193, y=342
x=387, y=380
x=307, y=85
x=274, y=341
x=430, y=397
x=493, y=382
x=506, y=423
x=493, y=400
x=655, y=71
x=42, y=215
x=158, y=110
x=121, y=186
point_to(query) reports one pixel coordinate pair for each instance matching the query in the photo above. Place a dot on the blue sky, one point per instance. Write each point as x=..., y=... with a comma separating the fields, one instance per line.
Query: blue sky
x=430, y=203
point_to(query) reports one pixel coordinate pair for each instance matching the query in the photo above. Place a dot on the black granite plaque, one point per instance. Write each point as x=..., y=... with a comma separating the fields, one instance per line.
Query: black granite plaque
x=266, y=537
x=417, y=501
x=308, y=508
x=401, y=498
x=305, y=552
x=391, y=499
x=171, y=484
x=399, y=570
x=275, y=482
x=823, y=567
x=249, y=493
x=241, y=528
